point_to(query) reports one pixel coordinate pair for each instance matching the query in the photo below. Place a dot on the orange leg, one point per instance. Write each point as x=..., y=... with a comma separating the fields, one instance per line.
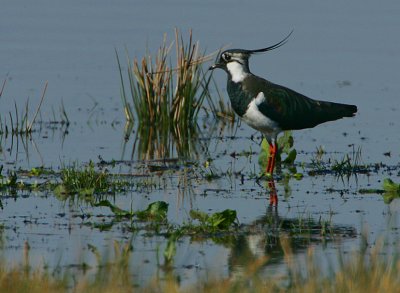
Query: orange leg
x=273, y=197
x=271, y=159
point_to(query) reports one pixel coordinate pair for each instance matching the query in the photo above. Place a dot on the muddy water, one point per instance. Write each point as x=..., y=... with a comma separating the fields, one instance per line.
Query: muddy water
x=341, y=52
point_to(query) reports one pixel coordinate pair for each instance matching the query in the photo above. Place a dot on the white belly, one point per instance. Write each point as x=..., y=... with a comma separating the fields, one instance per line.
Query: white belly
x=257, y=120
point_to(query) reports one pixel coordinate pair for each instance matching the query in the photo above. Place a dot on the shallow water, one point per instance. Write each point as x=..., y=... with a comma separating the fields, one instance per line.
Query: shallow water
x=344, y=52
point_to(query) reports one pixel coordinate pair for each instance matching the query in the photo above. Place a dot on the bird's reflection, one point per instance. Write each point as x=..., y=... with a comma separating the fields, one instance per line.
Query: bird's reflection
x=273, y=196
x=262, y=239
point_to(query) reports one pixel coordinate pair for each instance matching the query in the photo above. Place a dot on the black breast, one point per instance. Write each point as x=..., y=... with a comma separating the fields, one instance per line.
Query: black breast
x=240, y=99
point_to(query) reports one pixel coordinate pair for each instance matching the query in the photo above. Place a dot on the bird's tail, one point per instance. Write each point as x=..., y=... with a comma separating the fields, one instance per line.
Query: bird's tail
x=329, y=111
x=337, y=111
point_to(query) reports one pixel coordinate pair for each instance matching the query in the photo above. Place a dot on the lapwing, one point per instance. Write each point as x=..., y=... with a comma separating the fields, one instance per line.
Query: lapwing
x=271, y=108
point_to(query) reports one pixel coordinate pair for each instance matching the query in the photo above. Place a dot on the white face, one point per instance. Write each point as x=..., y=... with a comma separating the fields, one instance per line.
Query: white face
x=236, y=65
x=236, y=71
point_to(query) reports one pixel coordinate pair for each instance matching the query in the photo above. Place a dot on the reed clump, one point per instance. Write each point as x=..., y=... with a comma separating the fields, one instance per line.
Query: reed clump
x=163, y=94
x=165, y=100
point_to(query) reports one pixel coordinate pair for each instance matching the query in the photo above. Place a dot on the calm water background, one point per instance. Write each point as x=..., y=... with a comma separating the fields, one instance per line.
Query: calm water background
x=341, y=51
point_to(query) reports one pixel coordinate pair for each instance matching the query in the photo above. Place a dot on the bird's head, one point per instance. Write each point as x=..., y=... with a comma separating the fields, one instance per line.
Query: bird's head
x=238, y=59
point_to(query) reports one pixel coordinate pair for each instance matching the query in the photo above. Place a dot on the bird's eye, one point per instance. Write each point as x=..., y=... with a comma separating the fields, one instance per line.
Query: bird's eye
x=226, y=57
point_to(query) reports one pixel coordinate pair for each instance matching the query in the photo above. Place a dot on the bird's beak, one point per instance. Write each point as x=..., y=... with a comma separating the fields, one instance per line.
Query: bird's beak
x=216, y=65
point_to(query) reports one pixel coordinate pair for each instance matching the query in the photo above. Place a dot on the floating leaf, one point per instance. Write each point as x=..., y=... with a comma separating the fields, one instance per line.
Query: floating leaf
x=222, y=220
x=217, y=221
x=392, y=190
x=198, y=215
x=116, y=210
x=155, y=211
x=298, y=176
x=390, y=186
